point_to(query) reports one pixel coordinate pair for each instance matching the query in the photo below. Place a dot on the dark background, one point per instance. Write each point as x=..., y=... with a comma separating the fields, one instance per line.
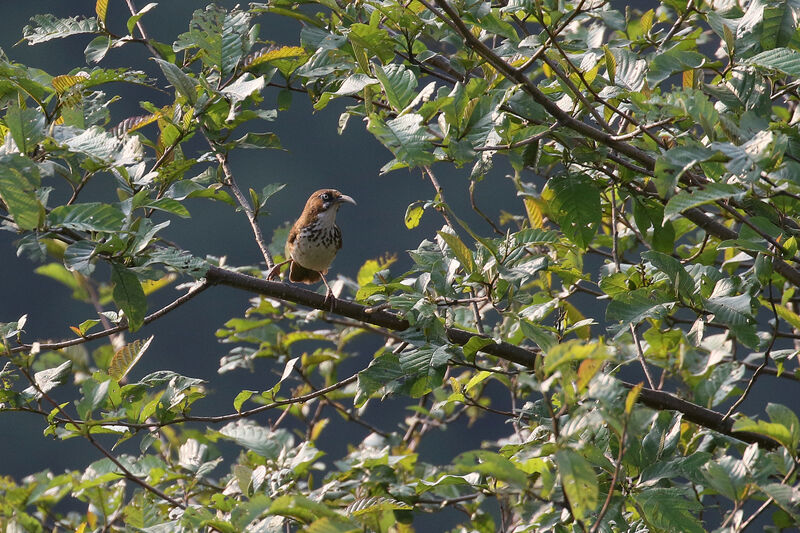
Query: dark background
x=315, y=157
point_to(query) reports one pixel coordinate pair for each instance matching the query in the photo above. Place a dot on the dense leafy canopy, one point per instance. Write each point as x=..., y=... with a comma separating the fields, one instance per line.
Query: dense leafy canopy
x=656, y=160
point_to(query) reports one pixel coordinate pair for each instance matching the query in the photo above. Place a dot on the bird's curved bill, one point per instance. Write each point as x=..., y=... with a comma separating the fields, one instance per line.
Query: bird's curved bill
x=345, y=199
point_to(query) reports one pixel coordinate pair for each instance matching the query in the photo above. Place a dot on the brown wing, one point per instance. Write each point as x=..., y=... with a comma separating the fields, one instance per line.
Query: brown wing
x=298, y=273
x=290, y=241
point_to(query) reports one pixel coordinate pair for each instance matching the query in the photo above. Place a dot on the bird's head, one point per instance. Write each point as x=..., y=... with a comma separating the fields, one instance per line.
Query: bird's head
x=324, y=203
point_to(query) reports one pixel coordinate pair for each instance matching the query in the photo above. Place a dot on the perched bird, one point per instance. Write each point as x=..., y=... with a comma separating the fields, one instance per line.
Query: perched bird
x=314, y=239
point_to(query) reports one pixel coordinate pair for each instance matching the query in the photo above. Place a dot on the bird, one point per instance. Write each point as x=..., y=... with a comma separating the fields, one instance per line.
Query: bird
x=314, y=239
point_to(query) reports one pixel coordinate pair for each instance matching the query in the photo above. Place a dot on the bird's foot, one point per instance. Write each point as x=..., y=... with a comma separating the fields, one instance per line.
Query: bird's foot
x=275, y=271
x=329, y=296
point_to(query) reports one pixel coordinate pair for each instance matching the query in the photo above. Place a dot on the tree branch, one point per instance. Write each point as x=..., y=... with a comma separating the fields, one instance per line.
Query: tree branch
x=655, y=399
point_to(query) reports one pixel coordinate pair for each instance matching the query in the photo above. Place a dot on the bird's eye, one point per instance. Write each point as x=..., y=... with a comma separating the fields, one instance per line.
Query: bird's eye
x=326, y=197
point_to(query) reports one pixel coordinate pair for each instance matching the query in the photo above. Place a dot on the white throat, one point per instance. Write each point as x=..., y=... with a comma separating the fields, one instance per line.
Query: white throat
x=327, y=218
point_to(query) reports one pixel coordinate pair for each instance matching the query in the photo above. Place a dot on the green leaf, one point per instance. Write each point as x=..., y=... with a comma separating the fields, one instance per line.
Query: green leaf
x=399, y=84
x=536, y=236
x=242, y=397
x=711, y=192
x=671, y=62
x=779, y=26
x=328, y=524
x=126, y=357
x=459, y=249
x=87, y=217
x=675, y=162
x=731, y=310
x=575, y=203
x=97, y=49
x=374, y=39
x=47, y=27
x=579, y=482
x=492, y=465
x=631, y=308
x=407, y=138
x=258, y=439
x=425, y=367
x=12, y=329
x=382, y=371
x=221, y=37
x=129, y=295
x=170, y=206
x=47, y=380
x=184, y=84
x=776, y=431
x=670, y=509
x=783, y=60
x=573, y=350
x=780, y=414
x=258, y=140
x=786, y=498
x=543, y=338
x=94, y=394
x=133, y=19
x=106, y=149
x=26, y=126
x=374, y=504
x=680, y=279
x=180, y=260
x=474, y=345
x=19, y=179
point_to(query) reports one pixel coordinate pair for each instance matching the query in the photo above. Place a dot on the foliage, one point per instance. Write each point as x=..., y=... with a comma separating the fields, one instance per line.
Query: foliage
x=655, y=157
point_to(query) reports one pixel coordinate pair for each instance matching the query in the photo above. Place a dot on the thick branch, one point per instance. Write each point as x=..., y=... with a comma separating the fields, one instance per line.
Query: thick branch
x=655, y=399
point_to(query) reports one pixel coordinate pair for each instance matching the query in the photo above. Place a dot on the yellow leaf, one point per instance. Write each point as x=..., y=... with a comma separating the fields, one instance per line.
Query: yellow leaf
x=269, y=54
x=413, y=215
x=371, y=266
x=64, y=82
x=134, y=123
x=460, y=250
x=587, y=370
x=534, y=213
x=126, y=357
x=318, y=427
x=633, y=395
x=101, y=8
x=150, y=286
x=591, y=74
x=688, y=79
x=646, y=21
x=611, y=64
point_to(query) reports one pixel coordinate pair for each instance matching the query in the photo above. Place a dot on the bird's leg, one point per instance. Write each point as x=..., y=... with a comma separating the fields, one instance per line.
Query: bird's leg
x=275, y=270
x=328, y=291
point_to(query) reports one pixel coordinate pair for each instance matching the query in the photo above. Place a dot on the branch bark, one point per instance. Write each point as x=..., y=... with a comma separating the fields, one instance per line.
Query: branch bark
x=654, y=399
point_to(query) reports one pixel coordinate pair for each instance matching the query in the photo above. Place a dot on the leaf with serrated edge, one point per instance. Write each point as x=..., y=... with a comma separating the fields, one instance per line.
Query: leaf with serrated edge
x=126, y=357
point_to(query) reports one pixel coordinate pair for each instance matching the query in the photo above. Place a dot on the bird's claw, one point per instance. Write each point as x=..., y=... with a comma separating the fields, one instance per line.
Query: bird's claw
x=330, y=296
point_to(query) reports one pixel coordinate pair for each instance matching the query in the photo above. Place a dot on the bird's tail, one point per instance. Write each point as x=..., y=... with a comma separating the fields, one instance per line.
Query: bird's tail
x=299, y=273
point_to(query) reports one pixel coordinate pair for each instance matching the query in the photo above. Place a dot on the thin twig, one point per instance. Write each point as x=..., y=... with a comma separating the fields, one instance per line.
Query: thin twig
x=763, y=364
x=194, y=291
x=614, y=476
x=141, y=29
x=230, y=182
x=640, y=354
